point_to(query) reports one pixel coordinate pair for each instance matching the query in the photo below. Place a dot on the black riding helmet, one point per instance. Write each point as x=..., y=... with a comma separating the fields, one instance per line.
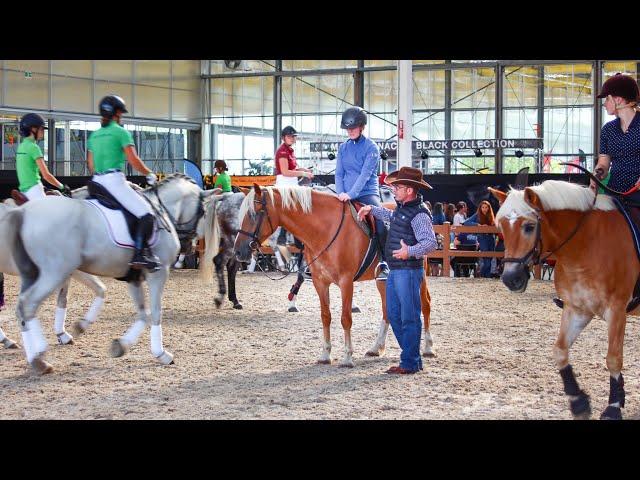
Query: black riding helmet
x=353, y=117
x=109, y=104
x=29, y=121
x=288, y=131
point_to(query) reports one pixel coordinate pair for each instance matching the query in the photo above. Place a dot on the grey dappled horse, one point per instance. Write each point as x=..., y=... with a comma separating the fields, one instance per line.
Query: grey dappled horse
x=46, y=255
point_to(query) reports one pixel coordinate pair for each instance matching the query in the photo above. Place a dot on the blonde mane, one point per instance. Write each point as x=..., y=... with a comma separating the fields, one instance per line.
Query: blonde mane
x=292, y=197
x=554, y=195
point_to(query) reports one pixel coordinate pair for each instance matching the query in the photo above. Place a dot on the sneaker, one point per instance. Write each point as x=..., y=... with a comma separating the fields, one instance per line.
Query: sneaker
x=383, y=272
x=401, y=371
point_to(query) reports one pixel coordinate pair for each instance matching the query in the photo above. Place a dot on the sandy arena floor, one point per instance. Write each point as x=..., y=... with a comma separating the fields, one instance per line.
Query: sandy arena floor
x=493, y=358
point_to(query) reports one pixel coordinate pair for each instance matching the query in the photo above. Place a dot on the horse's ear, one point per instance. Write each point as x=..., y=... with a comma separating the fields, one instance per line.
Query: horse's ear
x=532, y=199
x=500, y=196
x=258, y=190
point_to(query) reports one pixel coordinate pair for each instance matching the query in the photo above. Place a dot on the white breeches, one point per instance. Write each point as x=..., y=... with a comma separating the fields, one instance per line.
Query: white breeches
x=116, y=184
x=37, y=191
x=282, y=180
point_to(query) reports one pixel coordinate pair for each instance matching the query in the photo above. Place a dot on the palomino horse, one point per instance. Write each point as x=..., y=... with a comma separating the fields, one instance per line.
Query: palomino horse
x=51, y=239
x=7, y=265
x=596, y=270
x=334, y=249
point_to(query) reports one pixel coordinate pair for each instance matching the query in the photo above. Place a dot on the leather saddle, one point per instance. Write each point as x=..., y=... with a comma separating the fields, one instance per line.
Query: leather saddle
x=631, y=212
x=102, y=195
x=20, y=198
x=369, y=220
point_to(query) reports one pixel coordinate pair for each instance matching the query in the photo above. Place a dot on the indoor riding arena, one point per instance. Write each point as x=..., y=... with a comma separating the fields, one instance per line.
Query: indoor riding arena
x=247, y=168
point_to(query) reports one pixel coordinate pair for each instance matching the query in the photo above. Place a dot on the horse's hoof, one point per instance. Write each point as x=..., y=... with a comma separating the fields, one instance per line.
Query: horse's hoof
x=356, y=310
x=611, y=413
x=217, y=302
x=78, y=328
x=41, y=366
x=65, y=339
x=324, y=362
x=372, y=353
x=10, y=344
x=165, y=358
x=429, y=355
x=117, y=348
x=237, y=306
x=293, y=309
x=347, y=364
x=581, y=407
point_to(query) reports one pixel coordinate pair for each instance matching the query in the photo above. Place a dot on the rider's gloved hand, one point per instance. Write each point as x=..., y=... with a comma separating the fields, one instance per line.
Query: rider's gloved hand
x=66, y=191
x=151, y=178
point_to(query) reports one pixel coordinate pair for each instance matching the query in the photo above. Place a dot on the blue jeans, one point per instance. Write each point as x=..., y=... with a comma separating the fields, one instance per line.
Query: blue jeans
x=381, y=230
x=403, y=312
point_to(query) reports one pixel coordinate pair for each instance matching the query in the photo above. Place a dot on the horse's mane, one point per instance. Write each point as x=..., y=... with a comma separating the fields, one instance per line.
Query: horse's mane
x=555, y=195
x=292, y=197
x=175, y=176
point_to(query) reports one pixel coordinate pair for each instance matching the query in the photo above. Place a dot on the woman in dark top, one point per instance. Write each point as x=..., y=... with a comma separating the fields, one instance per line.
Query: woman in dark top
x=620, y=138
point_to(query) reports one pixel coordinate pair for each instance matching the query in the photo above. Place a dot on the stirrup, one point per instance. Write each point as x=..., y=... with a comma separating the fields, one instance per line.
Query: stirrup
x=382, y=272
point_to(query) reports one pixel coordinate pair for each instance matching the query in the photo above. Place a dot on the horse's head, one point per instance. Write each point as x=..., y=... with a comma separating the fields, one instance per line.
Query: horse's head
x=257, y=222
x=519, y=221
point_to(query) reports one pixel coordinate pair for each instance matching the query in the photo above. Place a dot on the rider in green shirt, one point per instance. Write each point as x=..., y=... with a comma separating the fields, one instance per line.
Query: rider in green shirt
x=30, y=160
x=223, y=180
x=108, y=149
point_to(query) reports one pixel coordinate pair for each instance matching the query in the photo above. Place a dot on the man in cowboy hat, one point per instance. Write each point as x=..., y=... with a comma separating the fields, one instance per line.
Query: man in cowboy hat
x=410, y=237
x=223, y=180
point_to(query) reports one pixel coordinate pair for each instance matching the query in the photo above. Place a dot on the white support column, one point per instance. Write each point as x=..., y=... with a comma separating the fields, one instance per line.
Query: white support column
x=67, y=149
x=405, y=112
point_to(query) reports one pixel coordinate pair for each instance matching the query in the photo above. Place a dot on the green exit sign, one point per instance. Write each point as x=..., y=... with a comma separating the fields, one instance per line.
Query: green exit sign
x=28, y=74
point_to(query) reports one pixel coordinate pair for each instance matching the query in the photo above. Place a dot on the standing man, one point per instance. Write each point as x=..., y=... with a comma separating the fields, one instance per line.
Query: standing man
x=223, y=180
x=410, y=238
x=356, y=174
x=30, y=160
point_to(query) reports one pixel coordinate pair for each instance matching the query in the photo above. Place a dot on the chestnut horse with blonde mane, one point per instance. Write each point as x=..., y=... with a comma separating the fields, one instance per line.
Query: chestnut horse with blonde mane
x=335, y=247
x=596, y=270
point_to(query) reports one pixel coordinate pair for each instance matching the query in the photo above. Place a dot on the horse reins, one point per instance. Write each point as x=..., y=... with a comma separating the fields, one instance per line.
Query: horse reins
x=254, y=244
x=183, y=233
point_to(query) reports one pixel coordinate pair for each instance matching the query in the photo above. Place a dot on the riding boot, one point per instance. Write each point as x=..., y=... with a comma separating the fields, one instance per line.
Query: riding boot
x=381, y=240
x=282, y=237
x=144, y=257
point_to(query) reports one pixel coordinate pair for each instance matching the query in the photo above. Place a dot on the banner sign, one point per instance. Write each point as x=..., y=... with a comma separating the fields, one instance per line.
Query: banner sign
x=417, y=146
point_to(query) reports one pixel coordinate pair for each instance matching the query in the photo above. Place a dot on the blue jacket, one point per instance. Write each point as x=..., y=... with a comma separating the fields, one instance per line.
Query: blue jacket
x=486, y=241
x=357, y=168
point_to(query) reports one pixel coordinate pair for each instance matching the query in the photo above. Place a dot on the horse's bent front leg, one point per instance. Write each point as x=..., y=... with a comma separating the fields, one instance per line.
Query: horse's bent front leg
x=573, y=322
x=378, y=348
x=346, y=290
x=425, y=301
x=323, y=294
x=617, y=320
x=120, y=346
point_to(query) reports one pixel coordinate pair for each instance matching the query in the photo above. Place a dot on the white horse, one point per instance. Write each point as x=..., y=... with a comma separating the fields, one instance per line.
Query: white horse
x=7, y=265
x=52, y=239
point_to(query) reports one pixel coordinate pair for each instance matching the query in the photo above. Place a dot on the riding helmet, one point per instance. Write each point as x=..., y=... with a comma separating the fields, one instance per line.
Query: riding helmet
x=621, y=86
x=111, y=103
x=288, y=131
x=353, y=117
x=29, y=121
x=222, y=164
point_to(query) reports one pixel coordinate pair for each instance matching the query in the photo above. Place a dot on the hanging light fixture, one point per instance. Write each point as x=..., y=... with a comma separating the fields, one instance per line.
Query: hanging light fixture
x=519, y=153
x=477, y=152
x=331, y=156
x=383, y=154
x=424, y=155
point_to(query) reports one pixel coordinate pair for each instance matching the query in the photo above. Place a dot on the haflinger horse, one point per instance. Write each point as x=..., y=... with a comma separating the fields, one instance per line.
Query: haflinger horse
x=7, y=265
x=596, y=270
x=335, y=247
x=51, y=239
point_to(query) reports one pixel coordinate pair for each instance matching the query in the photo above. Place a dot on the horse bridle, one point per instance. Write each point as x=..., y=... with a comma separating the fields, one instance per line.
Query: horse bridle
x=532, y=257
x=183, y=233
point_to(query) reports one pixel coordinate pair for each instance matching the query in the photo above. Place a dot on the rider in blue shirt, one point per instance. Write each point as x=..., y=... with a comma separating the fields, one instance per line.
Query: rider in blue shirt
x=357, y=173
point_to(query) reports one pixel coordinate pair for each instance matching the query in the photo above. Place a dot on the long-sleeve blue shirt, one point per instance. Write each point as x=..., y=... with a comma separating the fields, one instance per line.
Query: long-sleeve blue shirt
x=422, y=229
x=357, y=167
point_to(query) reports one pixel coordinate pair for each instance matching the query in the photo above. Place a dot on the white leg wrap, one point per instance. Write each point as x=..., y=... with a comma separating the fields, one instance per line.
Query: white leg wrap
x=131, y=337
x=252, y=265
x=181, y=257
x=94, y=309
x=382, y=333
x=61, y=315
x=2, y=336
x=28, y=348
x=156, y=340
x=38, y=342
x=279, y=258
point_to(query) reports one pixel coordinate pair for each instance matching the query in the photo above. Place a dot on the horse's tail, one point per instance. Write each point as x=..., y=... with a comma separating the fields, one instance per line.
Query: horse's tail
x=29, y=271
x=211, y=240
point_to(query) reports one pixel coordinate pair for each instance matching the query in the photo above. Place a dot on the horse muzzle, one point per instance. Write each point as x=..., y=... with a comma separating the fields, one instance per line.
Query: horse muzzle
x=516, y=277
x=243, y=251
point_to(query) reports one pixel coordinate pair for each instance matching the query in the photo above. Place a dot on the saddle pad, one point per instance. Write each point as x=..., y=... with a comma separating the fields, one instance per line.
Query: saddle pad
x=369, y=222
x=117, y=226
x=635, y=232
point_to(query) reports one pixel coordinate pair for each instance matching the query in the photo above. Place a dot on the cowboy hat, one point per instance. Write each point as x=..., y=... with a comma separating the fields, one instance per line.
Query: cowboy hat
x=407, y=176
